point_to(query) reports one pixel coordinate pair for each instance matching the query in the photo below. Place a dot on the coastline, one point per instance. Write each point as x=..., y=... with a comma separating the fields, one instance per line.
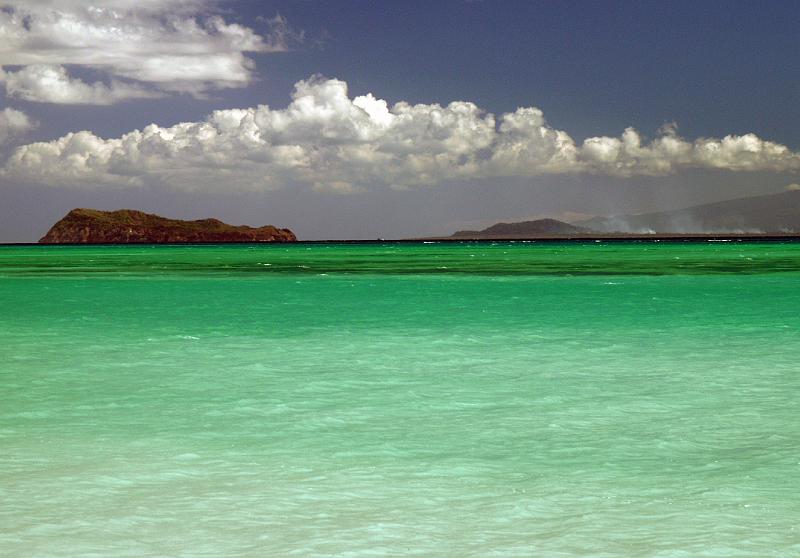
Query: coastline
x=610, y=237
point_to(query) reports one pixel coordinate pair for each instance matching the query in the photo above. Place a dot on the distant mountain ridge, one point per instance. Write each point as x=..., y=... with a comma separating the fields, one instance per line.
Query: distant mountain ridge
x=767, y=214
x=523, y=229
x=770, y=213
x=92, y=226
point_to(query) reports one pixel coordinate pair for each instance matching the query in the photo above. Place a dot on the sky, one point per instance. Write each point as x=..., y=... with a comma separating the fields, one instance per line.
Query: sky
x=357, y=119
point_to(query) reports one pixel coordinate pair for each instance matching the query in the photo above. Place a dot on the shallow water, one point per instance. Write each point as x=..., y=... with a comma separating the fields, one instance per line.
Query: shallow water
x=506, y=399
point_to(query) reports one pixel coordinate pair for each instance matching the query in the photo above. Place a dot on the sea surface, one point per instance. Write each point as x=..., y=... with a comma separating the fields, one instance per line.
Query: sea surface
x=603, y=399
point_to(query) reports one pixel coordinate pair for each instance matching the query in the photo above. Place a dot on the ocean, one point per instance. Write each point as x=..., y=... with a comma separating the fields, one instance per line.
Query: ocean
x=604, y=399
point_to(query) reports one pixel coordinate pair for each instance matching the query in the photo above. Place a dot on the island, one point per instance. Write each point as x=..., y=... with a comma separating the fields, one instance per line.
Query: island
x=126, y=226
x=541, y=228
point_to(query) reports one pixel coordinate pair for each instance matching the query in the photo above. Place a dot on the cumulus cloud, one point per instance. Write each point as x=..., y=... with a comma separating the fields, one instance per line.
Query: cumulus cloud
x=51, y=84
x=161, y=45
x=13, y=123
x=335, y=143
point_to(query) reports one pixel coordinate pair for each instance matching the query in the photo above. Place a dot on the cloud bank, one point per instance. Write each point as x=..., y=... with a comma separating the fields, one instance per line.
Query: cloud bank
x=145, y=48
x=332, y=142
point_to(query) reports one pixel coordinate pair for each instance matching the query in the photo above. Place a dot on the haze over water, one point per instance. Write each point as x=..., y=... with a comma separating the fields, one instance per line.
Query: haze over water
x=475, y=399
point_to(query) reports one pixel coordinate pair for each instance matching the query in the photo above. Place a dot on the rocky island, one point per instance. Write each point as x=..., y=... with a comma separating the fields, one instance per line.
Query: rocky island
x=541, y=228
x=92, y=226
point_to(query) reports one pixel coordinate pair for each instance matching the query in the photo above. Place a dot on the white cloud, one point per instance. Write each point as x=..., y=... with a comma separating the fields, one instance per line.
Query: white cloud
x=51, y=84
x=13, y=123
x=165, y=45
x=334, y=143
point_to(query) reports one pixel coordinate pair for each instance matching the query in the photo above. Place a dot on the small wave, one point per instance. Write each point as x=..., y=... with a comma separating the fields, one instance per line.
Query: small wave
x=187, y=457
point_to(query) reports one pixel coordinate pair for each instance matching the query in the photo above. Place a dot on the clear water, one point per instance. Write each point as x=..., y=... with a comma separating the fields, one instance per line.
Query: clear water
x=507, y=399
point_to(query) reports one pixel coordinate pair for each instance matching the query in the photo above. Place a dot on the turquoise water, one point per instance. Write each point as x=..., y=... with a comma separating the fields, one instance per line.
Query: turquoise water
x=506, y=399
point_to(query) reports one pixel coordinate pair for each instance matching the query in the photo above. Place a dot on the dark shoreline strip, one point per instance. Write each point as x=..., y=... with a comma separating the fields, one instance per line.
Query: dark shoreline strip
x=451, y=240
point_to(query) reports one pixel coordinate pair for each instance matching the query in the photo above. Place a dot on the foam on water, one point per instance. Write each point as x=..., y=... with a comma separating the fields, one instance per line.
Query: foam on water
x=170, y=401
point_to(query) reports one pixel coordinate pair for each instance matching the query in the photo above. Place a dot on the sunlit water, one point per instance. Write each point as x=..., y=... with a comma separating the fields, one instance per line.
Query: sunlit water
x=508, y=399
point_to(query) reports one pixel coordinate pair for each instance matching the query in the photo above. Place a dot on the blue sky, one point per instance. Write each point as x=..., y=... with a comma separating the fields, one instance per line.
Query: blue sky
x=593, y=67
x=684, y=75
